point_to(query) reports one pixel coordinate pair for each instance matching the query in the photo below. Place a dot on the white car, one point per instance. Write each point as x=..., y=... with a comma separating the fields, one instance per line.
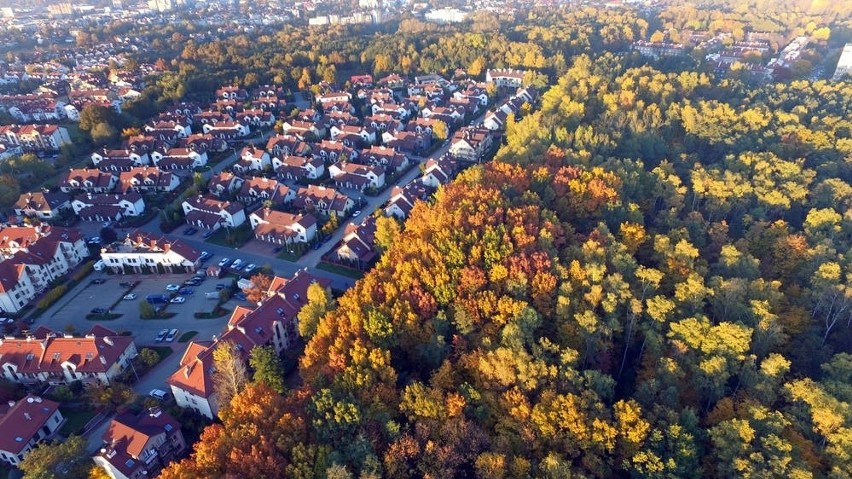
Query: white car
x=172, y=287
x=172, y=335
x=356, y=214
x=178, y=300
x=251, y=267
x=224, y=262
x=159, y=394
x=161, y=335
x=131, y=296
x=238, y=263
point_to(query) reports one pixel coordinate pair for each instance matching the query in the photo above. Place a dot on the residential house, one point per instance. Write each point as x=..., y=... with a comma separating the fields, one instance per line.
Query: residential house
x=210, y=213
x=403, y=198
x=42, y=204
x=472, y=144
x=224, y=184
x=335, y=97
x=226, y=130
x=35, y=137
x=386, y=157
x=384, y=123
x=332, y=151
x=298, y=167
x=253, y=159
x=287, y=145
x=212, y=117
x=90, y=180
x=25, y=424
x=357, y=248
x=357, y=177
x=366, y=135
x=273, y=322
x=147, y=178
x=232, y=92
x=260, y=190
x=282, y=228
x=173, y=159
x=256, y=117
x=119, y=160
x=505, y=77
x=393, y=81
x=303, y=129
x=361, y=81
x=108, y=206
x=33, y=257
x=323, y=200
x=137, y=446
x=96, y=358
x=495, y=120
x=141, y=252
x=439, y=172
x=182, y=128
x=408, y=142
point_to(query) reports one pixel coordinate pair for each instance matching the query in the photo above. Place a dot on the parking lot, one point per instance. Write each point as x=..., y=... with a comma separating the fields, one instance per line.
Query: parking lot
x=76, y=304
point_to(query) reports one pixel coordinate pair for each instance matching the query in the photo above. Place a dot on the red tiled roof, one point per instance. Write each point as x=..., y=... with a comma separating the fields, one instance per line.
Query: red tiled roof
x=23, y=420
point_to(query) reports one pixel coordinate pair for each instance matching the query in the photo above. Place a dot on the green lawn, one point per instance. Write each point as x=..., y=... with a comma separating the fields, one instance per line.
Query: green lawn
x=75, y=420
x=163, y=351
x=232, y=237
x=187, y=336
x=333, y=268
x=103, y=317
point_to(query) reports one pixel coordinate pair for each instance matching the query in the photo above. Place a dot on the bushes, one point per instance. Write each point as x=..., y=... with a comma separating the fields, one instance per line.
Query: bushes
x=51, y=297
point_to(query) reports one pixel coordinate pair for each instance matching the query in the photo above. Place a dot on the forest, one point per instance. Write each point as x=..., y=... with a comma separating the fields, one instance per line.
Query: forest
x=653, y=279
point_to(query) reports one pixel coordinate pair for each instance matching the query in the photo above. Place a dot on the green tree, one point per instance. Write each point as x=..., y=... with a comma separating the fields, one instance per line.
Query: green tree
x=103, y=133
x=66, y=459
x=149, y=357
x=10, y=190
x=267, y=367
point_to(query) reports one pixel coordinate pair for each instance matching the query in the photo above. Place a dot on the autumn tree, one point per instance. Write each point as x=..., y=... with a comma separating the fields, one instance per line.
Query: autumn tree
x=319, y=303
x=66, y=459
x=230, y=374
x=259, y=288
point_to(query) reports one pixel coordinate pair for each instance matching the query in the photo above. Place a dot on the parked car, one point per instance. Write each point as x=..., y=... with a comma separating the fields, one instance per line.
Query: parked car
x=190, y=231
x=221, y=286
x=157, y=299
x=126, y=284
x=94, y=240
x=99, y=311
x=98, y=281
x=224, y=262
x=172, y=287
x=208, y=234
x=178, y=300
x=159, y=394
x=277, y=249
x=251, y=267
x=237, y=264
x=356, y=214
x=161, y=335
x=172, y=335
x=106, y=224
x=131, y=296
x=186, y=291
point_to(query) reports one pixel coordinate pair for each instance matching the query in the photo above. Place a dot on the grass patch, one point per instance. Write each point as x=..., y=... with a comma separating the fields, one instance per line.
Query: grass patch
x=163, y=315
x=218, y=312
x=103, y=316
x=232, y=237
x=333, y=268
x=75, y=420
x=187, y=336
x=163, y=351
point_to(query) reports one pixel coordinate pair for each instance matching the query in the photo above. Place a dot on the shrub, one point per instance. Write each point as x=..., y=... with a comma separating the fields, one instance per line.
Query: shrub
x=83, y=271
x=51, y=297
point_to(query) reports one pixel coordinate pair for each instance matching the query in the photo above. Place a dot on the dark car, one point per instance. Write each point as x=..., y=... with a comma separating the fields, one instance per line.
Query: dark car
x=186, y=291
x=98, y=281
x=277, y=249
x=99, y=311
x=126, y=284
x=208, y=234
x=190, y=231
